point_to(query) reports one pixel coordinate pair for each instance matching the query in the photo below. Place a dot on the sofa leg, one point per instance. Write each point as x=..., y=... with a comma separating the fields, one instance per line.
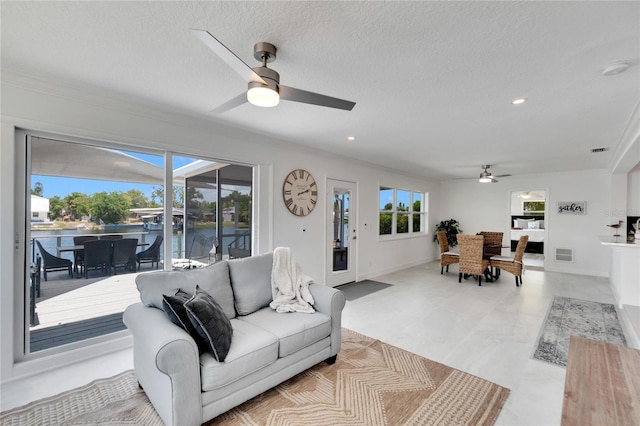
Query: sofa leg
x=140, y=386
x=331, y=360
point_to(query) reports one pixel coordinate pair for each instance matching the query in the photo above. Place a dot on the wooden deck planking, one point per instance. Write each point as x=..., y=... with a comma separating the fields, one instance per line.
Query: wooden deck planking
x=602, y=385
x=75, y=331
x=98, y=298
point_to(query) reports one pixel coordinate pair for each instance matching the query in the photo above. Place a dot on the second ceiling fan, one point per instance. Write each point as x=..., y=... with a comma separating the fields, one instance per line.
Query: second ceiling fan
x=264, y=83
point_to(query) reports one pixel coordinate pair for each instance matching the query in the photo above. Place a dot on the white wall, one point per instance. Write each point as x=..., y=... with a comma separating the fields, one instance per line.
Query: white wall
x=38, y=106
x=486, y=207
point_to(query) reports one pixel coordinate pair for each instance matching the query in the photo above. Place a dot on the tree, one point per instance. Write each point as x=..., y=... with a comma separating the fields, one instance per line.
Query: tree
x=37, y=189
x=110, y=208
x=56, y=206
x=78, y=204
x=136, y=199
x=178, y=196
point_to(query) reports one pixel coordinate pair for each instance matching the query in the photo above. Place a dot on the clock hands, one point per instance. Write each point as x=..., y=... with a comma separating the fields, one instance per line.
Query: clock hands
x=303, y=192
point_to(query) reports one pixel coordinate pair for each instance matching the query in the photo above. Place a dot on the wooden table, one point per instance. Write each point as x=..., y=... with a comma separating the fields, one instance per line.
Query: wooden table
x=602, y=386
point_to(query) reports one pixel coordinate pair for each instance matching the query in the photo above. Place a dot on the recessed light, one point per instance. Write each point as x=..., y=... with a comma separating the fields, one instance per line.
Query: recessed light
x=351, y=138
x=615, y=68
x=519, y=101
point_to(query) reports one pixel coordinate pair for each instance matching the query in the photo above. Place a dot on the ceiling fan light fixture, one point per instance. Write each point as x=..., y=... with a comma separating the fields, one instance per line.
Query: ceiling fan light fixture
x=263, y=96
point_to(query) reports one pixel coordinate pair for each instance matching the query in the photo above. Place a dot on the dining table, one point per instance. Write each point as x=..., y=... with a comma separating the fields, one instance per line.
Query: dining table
x=79, y=248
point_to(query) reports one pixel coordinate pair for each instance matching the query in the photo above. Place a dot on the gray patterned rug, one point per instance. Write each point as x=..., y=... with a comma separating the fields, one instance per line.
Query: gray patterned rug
x=566, y=317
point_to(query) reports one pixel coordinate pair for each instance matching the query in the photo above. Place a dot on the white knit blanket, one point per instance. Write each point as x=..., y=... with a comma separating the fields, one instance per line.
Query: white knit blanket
x=289, y=286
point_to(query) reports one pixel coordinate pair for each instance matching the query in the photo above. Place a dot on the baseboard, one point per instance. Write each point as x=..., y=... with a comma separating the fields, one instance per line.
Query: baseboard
x=630, y=319
x=395, y=268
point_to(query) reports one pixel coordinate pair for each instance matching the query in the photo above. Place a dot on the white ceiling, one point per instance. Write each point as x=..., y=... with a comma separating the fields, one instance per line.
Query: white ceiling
x=433, y=81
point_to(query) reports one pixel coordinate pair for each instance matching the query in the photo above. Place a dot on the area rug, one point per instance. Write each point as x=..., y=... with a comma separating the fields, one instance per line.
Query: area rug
x=353, y=291
x=583, y=318
x=372, y=383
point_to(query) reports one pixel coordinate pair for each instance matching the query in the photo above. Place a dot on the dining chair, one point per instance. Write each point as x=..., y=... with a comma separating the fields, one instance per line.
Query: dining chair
x=78, y=255
x=446, y=257
x=152, y=254
x=52, y=263
x=111, y=237
x=124, y=254
x=97, y=255
x=471, y=259
x=492, y=243
x=512, y=264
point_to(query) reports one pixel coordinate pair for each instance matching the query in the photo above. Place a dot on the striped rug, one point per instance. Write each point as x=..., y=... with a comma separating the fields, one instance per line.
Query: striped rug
x=372, y=383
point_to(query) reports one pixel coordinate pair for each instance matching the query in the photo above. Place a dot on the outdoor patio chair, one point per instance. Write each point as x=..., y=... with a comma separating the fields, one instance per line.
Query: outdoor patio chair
x=512, y=264
x=152, y=254
x=78, y=255
x=97, y=255
x=124, y=254
x=446, y=257
x=471, y=261
x=52, y=263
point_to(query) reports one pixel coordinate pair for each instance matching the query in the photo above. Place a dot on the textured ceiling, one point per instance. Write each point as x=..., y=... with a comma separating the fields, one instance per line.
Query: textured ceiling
x=433, y=81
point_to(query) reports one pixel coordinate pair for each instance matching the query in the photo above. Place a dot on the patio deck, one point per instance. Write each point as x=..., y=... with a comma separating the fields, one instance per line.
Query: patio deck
x=70, y=310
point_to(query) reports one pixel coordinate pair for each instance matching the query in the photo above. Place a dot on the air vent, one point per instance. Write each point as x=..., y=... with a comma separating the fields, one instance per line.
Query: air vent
x=596, y=150
x=564, y=255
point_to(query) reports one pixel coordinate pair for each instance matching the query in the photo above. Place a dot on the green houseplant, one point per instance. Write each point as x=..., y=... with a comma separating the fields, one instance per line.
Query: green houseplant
x=451, y=228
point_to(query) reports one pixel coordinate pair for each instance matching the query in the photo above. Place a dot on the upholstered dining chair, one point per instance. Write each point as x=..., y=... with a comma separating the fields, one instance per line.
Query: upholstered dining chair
x=512, y=264
x=492, y=243
x=471, y=260
x=446, y=257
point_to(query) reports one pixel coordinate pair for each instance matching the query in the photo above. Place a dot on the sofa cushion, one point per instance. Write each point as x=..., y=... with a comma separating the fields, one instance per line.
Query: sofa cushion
x=295, y=330
x=251, y=282
x=252, y=348
x=210, y=322
x=214, y=279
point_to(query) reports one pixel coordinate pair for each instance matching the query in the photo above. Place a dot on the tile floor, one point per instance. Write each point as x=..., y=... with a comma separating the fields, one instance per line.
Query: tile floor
x=488, y=331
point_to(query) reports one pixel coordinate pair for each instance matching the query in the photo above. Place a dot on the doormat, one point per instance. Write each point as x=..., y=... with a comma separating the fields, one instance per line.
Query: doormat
x=353, y=291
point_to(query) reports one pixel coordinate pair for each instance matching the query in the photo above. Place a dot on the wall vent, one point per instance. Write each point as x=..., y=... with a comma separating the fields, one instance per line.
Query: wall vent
x=596, y=150
x=564, y=255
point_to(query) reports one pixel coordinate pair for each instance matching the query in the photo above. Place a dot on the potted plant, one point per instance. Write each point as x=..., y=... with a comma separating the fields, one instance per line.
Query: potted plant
x=451, y=228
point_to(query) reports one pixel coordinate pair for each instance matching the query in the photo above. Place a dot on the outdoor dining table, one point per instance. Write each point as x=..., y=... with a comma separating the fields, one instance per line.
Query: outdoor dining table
x=80, y=247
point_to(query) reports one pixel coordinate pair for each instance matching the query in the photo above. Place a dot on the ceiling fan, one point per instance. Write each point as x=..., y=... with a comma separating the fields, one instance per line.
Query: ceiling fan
x=487, y=177
x=264, y=83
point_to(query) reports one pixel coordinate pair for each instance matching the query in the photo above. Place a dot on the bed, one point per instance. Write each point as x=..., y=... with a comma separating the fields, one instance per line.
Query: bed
x=533, y=226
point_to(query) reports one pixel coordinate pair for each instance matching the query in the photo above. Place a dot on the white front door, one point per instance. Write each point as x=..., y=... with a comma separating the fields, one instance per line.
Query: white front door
x=341, y=239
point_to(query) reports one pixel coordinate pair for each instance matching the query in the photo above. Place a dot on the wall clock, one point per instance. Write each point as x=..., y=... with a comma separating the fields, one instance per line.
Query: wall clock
x=300, y=192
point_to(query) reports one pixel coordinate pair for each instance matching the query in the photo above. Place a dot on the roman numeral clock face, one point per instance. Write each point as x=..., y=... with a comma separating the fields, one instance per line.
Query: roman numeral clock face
x=300, y=192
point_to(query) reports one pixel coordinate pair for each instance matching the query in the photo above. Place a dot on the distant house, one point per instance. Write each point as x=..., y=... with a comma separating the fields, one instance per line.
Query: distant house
x=39, y=209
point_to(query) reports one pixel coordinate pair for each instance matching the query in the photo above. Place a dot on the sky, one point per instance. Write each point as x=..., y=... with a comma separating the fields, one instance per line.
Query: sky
x=62, y=186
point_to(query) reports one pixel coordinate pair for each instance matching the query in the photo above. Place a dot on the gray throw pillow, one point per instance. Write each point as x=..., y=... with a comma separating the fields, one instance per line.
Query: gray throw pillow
x=174, y=307
x=251, y=282
x=211, y=323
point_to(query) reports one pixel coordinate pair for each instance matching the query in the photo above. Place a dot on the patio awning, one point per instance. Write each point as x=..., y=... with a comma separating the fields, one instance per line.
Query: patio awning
x=55, y=158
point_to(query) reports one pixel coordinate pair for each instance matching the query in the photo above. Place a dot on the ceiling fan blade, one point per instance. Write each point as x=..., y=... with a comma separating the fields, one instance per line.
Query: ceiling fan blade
x=298, y=95
x=227, y=55
x=231, y=103
x=501, y=176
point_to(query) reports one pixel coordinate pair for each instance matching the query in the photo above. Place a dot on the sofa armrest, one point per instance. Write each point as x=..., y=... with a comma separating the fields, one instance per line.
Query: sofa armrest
x=167, y=365
x=330, y=301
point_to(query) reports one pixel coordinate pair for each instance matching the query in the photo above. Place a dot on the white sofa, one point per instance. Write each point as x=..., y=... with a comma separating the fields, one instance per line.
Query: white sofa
x=187, y=387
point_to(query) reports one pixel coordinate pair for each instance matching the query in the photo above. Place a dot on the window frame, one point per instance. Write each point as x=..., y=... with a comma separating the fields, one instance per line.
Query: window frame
x=395, y=213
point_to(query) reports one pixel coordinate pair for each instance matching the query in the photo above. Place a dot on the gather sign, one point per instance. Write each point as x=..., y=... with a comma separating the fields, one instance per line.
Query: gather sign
x=572, y=207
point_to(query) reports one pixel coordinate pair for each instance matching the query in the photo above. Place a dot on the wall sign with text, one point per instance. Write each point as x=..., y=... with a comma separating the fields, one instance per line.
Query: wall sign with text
x=572, y=207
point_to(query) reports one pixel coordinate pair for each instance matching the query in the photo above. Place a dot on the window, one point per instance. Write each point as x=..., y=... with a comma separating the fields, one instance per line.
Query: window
x=402, y=212
x=533, y=207
x=82, y=191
